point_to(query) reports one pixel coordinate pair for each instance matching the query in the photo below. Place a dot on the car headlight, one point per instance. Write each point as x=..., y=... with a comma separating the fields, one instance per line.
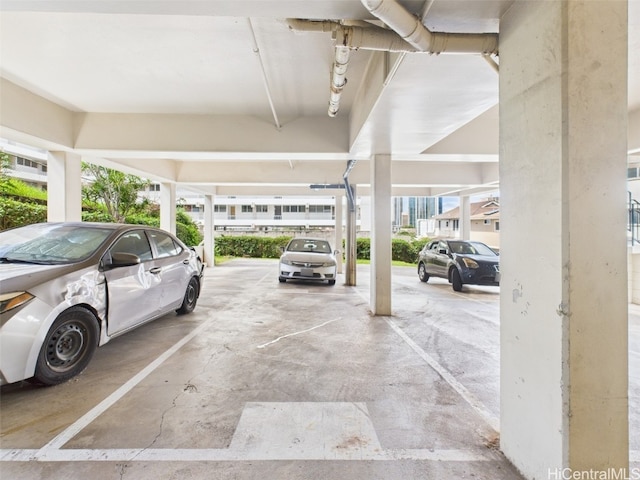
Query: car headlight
x=11, y=300
x=285, y=261
x=328, y=264
x=470, y=263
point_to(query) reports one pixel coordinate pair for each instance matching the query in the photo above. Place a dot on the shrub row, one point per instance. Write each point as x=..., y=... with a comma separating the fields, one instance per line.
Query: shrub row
x=15, y=213
x=265, y=247
x=401, y=250
x=250, y=246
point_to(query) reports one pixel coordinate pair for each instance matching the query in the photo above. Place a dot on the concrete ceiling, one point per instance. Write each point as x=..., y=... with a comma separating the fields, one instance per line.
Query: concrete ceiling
x=221, y=95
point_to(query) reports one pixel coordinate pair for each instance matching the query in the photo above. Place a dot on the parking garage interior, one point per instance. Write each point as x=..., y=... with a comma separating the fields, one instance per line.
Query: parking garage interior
x=539, y=100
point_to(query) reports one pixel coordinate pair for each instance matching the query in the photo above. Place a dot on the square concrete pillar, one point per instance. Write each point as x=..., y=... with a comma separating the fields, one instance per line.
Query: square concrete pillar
x=381, y=235
x=209, y=228
x=563, y=134
x=64, y=186
x=168, y=207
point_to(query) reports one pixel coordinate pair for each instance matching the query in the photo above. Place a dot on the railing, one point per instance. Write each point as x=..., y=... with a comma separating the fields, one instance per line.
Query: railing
x=634, y=220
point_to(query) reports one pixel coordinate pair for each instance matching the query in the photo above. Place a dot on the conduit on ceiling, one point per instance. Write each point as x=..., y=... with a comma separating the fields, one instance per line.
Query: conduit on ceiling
x=407, y=34
x=265, y=80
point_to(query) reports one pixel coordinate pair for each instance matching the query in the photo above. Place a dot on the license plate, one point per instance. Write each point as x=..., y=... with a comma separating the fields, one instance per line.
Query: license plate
x=306, y=272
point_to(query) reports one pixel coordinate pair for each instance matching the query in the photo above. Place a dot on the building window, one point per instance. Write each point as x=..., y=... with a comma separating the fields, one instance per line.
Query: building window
x=497, y=226
x=320, y=209
x=247, y=209
x=293, y=208
x=219, y=208
x=25, y=162
x=262, y=208
x=487, y=221
x=154, y=187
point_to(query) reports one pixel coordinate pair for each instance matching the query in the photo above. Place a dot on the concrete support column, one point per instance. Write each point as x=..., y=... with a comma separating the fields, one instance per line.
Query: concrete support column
x=563, y=135
x=465, y=217
x=64, y=186
x=168, y=207
x=209, y=227
x=339, y=202
x=381, y=235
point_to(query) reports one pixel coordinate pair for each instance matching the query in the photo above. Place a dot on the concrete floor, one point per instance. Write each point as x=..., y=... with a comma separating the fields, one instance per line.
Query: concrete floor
x=282, y=381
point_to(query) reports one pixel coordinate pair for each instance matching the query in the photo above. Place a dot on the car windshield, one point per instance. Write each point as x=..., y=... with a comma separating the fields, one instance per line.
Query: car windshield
x=50, y=243
x=313, y=246
x=471, y=248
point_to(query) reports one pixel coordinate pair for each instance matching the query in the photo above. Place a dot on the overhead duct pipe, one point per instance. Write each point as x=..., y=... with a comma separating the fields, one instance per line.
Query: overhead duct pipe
x=408, y=34
x=338, y=78
x=412, y=30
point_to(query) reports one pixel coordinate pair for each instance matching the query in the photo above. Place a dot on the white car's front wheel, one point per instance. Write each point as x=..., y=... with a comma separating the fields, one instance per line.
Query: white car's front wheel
x=68, y=347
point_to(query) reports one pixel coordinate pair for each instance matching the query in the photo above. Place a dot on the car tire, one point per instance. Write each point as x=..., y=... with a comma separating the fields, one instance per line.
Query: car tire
x=422, y=272
x=68, y=347
x=282, y=280
x=190, y=297
x=456, y=280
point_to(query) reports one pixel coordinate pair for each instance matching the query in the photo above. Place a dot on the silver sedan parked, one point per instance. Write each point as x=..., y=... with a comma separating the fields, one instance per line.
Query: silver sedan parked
x=308, y=259
x=67, y=288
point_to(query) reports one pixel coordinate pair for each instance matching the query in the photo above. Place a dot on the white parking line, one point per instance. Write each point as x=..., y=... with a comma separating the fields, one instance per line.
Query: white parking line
x=228, y=455
x=469, y=397
x=71, y=431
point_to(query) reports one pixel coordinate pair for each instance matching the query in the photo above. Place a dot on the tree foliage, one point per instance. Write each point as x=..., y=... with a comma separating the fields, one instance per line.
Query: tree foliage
x=5, y=165
x=117, y=191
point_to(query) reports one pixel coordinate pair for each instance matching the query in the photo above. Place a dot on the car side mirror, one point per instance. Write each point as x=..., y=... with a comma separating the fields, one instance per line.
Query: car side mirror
x=122, y=259
x=442, y=251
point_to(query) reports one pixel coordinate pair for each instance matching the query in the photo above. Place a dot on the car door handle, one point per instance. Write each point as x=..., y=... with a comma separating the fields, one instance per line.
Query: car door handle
x=155, y=270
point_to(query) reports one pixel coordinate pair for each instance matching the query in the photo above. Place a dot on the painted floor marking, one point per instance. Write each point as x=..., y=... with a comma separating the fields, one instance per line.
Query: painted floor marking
x=469, y=397
x=269, y=431
x=230, y=455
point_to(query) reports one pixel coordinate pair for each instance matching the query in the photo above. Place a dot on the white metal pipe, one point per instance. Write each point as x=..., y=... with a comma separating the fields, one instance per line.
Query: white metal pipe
x=311, y=25
x=492, y=63
x=412, y=30
x=372, y=38
x=265, y=80
x=338, y=78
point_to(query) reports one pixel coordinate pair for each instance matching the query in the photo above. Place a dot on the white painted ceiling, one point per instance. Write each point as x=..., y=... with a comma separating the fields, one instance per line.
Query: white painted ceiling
x=195, y=61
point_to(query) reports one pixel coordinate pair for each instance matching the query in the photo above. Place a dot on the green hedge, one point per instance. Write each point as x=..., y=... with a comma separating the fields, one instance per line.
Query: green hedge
x=401, y=250
x=250, y=246
x=15, y=213
x=265, y=247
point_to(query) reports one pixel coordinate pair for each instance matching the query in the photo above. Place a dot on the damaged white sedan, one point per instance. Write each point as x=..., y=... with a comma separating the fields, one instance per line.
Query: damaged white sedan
x=67, y=288
x=308, y=259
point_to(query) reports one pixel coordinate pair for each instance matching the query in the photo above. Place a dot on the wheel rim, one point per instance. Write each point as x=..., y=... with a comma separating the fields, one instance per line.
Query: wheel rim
x=421, y=271
x=191, y=293
x=66, y=346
